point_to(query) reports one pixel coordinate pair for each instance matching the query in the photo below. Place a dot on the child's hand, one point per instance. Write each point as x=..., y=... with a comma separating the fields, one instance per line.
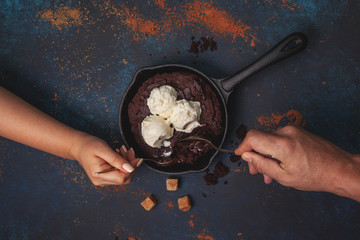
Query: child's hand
x=21, y=122
x=95, y=155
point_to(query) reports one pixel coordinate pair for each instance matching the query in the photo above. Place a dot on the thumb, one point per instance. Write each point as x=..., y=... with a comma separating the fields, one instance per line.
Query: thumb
x=263, y=165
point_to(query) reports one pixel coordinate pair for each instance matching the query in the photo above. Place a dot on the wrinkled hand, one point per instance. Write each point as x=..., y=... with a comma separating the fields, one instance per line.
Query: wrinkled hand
x=306, y=162
x=94, y=155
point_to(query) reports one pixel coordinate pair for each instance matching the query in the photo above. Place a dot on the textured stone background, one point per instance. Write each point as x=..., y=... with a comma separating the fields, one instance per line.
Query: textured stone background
x=74, y=60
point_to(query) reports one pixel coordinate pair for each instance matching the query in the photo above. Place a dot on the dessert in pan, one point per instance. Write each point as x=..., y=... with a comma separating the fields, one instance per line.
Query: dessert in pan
x=194, y=104
x=171, y=106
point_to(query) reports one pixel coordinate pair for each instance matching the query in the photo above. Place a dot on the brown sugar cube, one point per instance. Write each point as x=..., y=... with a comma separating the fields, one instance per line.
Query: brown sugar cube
x=149, y=203
x=184, y=203
x=172, y=183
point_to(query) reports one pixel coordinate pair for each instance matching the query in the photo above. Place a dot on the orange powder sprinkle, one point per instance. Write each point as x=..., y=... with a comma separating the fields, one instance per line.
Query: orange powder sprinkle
x=160, y=3
x=141, y=26
x=141, y=192
x=289, y=5
x=273, y=120
x=169, y=204
x=197, y=14
x=204, y=236
x=55, y=98
x=217, y=20
x=239, y=234
x=62, y=17
x=284, y=3
x=191, y=223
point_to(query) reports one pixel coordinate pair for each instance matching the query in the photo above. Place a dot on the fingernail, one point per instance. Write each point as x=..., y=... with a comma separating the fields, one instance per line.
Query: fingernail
x=139, y=162
x=117, y=150
x=124, y=148
x=128, y=167
x=246, y=157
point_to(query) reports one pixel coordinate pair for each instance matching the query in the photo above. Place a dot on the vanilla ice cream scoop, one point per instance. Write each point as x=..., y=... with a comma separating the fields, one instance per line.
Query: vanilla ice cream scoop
x=155, y=130
x=185, y=115
x=166, y=114
x=161, y=100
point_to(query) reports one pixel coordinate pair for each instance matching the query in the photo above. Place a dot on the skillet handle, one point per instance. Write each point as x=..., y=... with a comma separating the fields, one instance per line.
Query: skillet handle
x=292, y=44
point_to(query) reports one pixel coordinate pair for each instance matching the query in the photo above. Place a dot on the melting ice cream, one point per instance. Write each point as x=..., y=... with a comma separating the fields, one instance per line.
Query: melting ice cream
x=168, y=113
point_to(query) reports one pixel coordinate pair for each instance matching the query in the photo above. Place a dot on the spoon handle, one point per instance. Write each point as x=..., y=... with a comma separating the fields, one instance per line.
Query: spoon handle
x=107, y=170
x=225, y=150
x=144, y=159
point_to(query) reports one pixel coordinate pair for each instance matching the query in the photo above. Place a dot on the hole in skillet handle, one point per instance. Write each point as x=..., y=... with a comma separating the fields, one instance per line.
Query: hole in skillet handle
x=294, y=43
x=125, y=127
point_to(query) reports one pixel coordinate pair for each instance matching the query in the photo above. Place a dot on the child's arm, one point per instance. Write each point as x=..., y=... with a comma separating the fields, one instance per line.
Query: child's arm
x=23, y=123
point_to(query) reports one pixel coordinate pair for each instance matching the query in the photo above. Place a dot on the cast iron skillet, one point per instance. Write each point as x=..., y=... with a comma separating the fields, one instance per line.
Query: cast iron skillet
x=289, y=46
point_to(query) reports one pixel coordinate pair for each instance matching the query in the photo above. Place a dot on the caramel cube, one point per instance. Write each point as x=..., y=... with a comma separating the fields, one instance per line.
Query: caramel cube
x=172, y=183
x=184, y=203
x=149, y=203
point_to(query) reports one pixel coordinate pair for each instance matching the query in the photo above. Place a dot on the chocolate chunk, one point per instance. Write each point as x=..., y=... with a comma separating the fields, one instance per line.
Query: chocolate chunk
x=234, y=158
x=221, y=170
x=241, y=132
x=204, y=44
x=210, y=179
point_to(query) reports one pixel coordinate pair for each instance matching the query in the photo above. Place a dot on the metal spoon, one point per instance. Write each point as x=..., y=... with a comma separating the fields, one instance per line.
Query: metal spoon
x=144, y=159
x=209, y=142
x=195, y=137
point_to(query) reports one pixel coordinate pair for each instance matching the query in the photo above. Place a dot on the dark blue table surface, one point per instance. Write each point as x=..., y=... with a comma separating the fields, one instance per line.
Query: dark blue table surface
x=74, y=60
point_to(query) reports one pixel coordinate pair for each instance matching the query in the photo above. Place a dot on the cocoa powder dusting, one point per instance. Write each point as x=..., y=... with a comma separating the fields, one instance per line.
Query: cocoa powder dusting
x=275, y=121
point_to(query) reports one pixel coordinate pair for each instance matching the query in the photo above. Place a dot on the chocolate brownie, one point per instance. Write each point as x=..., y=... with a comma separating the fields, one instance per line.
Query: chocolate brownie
x=192, y=88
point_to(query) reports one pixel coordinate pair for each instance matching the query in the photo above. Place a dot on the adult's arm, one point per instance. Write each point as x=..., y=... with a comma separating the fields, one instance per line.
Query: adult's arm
x=306, y=161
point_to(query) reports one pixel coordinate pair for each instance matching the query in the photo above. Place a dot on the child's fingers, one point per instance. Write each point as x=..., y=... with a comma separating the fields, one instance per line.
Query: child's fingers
x=130, y=155
x=136, y=162
x=116, y=160
x=122, y=151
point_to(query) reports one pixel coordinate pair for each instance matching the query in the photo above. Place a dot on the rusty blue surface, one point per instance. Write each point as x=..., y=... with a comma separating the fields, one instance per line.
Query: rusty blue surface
x=77, y=73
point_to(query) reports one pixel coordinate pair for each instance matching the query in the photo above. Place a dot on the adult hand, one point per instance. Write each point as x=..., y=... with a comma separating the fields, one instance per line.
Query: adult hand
x=94, y=155
x=306, y=162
